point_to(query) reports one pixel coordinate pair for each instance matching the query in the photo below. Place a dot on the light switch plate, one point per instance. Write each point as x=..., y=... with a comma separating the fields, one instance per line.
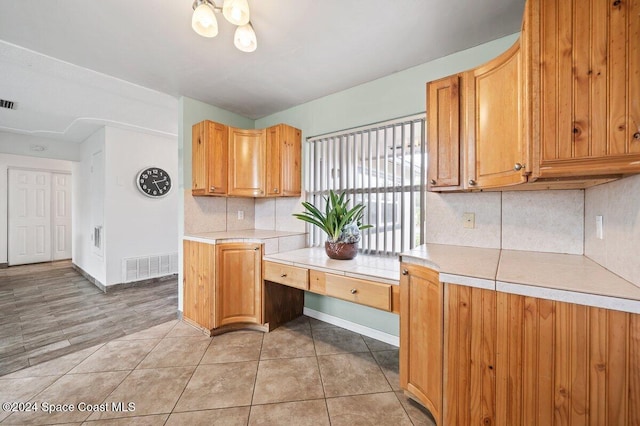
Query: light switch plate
x=240, y=215
x=469, y=220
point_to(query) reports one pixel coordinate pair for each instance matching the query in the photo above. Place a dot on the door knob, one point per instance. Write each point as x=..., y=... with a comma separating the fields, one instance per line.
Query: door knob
x=405, y=272
x=432, y=182
x=472, y=182
x=213, y=188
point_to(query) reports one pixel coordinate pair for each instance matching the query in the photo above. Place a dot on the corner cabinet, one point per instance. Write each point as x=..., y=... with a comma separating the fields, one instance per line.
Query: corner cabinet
x=222, y=286
x=478, y=356
x=228, y=161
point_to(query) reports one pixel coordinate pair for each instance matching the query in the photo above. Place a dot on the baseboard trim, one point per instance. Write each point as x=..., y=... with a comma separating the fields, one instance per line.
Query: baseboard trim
x=4, y=265
x=112, y=287
x=352, y=326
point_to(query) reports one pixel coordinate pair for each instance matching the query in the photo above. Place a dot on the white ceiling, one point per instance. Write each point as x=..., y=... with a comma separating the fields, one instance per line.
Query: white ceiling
x=58, y=58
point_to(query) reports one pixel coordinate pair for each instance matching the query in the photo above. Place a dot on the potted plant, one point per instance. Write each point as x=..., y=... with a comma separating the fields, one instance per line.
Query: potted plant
x=341, y=224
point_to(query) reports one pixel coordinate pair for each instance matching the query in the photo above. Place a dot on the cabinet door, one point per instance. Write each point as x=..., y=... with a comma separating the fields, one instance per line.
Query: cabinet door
x=246, y=162
x=469, y=376
x=209, y=158
x=273, y=181
x=496, y=113
x=443, y=134
x=586, y=67
x=238, y=283
x=290, y=161
x=198, y=284
x=421, y=339
x=561, y=363
x=283, y=172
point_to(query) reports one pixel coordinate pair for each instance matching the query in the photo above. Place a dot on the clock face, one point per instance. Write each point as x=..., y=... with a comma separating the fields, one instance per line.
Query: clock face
x=154, y=182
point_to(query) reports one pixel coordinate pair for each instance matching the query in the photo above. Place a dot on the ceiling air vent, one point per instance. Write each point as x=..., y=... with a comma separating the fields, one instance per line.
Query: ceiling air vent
x=7, y=104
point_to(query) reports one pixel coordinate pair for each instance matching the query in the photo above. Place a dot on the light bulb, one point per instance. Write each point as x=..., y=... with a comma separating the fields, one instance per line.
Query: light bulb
x=245, y=38
x=204, y=21
x=236, y=11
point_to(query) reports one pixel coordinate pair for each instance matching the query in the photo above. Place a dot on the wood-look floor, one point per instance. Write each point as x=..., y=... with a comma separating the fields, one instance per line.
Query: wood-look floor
x=49, y=310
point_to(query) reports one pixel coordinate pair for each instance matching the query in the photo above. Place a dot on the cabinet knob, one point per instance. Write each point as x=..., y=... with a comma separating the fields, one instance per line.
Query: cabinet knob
x=432, y=182
x=213, y=188
x=517, y=167
x=636, y=135
x=472, y=182
x=405, y=272
x=283, y=275
x=275, y=190
x=354, y=290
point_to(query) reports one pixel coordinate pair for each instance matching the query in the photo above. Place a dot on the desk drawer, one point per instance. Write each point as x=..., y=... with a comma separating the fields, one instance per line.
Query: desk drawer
x=287, y=275
x=370, y=293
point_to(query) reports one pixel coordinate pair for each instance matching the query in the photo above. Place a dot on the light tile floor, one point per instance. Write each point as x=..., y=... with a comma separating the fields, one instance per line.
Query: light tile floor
x=304, y=373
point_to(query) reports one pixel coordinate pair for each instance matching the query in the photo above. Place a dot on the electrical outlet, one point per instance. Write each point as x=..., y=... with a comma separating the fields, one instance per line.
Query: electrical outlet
x=469, y=220
x=599, y=228
x=240, y=215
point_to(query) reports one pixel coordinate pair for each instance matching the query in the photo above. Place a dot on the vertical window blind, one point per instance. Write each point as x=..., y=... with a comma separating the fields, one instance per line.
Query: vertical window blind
x=381, y=166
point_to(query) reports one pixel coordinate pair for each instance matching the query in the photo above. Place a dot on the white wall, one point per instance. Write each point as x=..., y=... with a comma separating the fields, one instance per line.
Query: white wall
x=136, y=225
x=9, y=160
x=84, y=210
x=619, y=205
x=19, y=144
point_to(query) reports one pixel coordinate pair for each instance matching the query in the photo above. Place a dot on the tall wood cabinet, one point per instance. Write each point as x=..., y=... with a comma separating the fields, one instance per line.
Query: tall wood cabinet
x=228, y=161
x=222, y=285
x=477, y=356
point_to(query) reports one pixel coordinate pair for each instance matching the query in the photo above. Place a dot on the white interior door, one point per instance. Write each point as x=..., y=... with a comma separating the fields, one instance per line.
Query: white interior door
x=61, y=216
x=29, y=216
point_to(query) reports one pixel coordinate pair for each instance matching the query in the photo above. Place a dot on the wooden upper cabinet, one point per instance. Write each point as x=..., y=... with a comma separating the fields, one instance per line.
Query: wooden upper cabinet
x=496, y=133
x=443, y=134
x=283, y=171
x=209, y=158
x=228, y=161
x=246, y=162
x=585, y=63
x=238, y=283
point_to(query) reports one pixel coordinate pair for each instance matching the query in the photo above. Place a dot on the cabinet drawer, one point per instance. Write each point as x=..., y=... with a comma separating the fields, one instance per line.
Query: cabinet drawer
x=370, y=293
x=287, y=275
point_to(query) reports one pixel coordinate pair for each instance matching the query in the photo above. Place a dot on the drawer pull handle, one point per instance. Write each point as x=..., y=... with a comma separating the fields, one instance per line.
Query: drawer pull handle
x=283, y=275
x=213, y=188
x=405, y=272
x=354, y=290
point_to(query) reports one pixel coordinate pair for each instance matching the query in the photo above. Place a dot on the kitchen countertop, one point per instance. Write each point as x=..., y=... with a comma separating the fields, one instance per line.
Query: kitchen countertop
x=254, y=235
x=561, y=277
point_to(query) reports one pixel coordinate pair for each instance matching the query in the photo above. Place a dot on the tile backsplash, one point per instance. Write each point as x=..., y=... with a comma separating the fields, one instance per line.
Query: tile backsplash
x=213, y=214
x=547, y=221
x=618, y=203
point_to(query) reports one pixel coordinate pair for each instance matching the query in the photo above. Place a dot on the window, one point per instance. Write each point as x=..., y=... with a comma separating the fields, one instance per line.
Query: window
x=381, y=166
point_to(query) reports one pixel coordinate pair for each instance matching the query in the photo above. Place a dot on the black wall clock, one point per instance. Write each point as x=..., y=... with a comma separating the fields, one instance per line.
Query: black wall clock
x=153, y=182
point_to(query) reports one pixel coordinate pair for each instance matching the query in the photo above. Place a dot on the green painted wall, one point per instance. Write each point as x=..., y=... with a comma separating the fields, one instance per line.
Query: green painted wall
x=397, y=95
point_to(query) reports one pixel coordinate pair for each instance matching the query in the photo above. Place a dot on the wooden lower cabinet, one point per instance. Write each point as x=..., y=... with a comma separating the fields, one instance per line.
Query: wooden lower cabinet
x=238, y=283
x=199, y=284
x=222, y=284
x=480, y=357
x=566, y=364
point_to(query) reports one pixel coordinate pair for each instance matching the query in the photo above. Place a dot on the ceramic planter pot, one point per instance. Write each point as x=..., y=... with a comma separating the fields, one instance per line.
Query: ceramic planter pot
x=341, y=251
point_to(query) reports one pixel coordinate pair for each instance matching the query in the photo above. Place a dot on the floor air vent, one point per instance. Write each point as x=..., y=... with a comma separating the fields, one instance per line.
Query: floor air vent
x=7, y=104
x=143, y=268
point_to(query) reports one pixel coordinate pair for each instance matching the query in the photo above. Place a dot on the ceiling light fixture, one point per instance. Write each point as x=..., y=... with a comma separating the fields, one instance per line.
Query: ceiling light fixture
x=204, y=21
